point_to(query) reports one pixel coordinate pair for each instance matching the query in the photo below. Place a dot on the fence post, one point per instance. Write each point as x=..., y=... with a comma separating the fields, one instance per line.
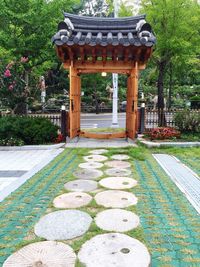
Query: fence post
x=63, y=122
x=142, y=118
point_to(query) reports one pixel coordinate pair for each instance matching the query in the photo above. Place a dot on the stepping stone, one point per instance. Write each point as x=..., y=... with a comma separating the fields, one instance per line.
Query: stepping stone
x=91, y=165
x=115, y=199
x=118, y=182
x=118, y=164
x=81, y=185
x=92, y=158
x=63, y=225
x=118, y=172
x=120, y=157
x=117, y=220
x=98, y=151
x=72, y=200
x=114, y=250
x=46, y=253
x=88, y=174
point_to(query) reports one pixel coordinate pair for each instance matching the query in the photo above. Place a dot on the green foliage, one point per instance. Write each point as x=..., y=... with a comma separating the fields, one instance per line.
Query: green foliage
x=11, y=142
x=31, y=131
x=187, y=121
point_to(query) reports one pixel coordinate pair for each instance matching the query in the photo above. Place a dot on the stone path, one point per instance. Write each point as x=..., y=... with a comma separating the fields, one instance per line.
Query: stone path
x=183, y=177
x=69, y=224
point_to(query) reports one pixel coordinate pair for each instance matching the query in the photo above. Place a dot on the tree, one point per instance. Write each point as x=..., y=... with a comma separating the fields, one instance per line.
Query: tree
x=95, y=8
x=26, y=28
x=177, y=26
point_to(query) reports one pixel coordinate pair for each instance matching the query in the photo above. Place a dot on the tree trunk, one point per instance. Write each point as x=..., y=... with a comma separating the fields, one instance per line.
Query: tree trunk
x=160, y=83
x=170, y=86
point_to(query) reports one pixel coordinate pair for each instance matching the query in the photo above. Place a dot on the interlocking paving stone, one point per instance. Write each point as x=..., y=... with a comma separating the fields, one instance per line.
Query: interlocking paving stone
x=81, y=185
x=187, y=181
x=63, y=225
x=115, y=199
x=72, y=200
x=120, y=157
x=46, y=253
x=117, y=220
x=118, y=182
x=118, y=172
x=92, y=158
x=14, y=173
x=88, y=174
x=117, y=164
x=91, y=165
x=98, y=151
x=114, y=249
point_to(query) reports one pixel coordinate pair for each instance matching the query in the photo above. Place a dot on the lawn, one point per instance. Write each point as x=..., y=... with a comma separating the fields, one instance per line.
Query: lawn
x=170, y=226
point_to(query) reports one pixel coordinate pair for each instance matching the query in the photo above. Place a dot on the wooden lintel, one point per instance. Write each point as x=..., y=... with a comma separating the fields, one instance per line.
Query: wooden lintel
x=87, y=71
x=90, y=67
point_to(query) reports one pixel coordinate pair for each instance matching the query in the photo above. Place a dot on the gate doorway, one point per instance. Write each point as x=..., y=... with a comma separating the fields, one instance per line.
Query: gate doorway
x=88, y=45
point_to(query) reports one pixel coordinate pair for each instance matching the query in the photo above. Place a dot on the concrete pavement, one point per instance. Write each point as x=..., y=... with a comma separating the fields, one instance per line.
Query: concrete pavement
x=17, y=166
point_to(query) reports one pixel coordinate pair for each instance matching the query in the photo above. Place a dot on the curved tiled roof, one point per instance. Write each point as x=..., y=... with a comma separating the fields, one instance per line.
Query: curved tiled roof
x=93, y=31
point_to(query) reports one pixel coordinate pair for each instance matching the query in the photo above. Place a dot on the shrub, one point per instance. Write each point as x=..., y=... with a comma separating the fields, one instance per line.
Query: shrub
x=11, y=142
x=161, y=133
x=32, y=131
x=187, y=121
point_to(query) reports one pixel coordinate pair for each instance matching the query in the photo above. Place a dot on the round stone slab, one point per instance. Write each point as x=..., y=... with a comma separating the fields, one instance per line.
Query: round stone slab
x=115, y=199
x=117, y=220
x=72, y=200
x=114, y=250
x=46, y=253
x=98, y=151
x=88, y=174
x=81, y=185
x=91, y=165
x=118, y=164
x=118, y=172
x=120, y=157
x=63, y=225
x=92, y=158
x=118, y=182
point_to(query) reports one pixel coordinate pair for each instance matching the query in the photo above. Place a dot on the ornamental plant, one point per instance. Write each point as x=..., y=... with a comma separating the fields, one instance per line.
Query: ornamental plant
x=162, y=133
x=14, y=90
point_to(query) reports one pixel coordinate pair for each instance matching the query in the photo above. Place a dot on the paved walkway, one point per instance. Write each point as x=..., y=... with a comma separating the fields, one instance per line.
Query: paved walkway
x=19, y=165
x=96, y=143
x=183, y=177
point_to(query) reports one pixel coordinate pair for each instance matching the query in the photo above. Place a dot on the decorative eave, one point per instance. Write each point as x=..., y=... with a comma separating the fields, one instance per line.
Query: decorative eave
x=90, y=38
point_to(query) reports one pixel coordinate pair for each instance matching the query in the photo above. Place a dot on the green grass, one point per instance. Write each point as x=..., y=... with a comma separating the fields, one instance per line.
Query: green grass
x=170, y=227
x=104, y=130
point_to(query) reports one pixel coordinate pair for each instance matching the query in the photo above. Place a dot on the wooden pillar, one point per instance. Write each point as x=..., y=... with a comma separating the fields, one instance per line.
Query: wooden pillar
x=75, y=103
x=132, y=99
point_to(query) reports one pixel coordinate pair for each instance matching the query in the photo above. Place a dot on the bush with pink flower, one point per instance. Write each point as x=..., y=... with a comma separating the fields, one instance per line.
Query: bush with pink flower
x=14, y=88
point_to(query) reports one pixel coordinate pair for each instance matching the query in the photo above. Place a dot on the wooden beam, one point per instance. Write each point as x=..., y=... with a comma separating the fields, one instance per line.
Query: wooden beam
x=94, y=57
x=104, y=56
x=90, y=67
x=103, y=135
x=87, y=71
x=82, y=54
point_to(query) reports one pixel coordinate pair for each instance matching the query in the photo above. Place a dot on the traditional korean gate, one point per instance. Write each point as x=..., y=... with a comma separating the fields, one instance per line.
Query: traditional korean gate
x=111, y=45
x=75, y=103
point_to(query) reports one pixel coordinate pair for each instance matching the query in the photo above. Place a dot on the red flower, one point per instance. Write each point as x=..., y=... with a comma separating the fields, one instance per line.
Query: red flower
x=24, y=59
x=7, y=73
x=11, y=86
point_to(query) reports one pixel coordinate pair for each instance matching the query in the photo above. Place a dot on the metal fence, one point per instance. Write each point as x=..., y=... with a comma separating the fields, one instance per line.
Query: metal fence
x=151, y=117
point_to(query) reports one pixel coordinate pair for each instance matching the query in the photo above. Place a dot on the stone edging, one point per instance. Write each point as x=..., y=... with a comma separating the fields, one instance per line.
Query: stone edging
x=30, y=147
x=168, y=144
